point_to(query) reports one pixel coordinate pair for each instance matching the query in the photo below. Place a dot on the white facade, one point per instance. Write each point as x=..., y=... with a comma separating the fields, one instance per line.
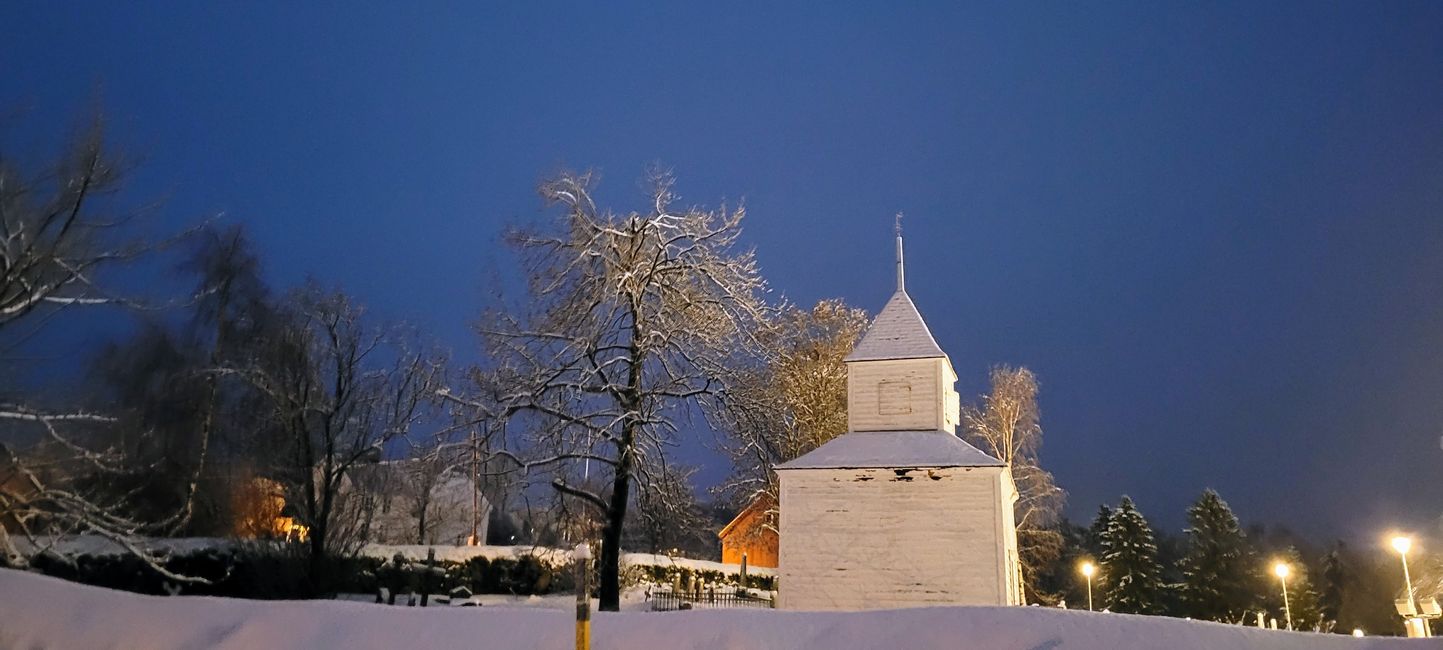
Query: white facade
x=898, y=511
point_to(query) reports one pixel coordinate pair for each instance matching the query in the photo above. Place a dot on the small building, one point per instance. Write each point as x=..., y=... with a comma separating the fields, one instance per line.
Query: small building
x=752, y=534
x=418, y=502
x=898, y=511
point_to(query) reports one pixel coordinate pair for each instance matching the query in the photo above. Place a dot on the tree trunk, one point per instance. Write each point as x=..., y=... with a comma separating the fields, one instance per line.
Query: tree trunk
x=610, y=566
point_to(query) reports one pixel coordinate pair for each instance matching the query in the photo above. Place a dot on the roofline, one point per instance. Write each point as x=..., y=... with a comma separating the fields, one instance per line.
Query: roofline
x=782, y=468
x=763, y=497
x=889, y=357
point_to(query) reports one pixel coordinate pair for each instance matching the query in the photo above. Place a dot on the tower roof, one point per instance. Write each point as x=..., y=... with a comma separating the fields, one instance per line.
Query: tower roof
x=893, y=449
x=898, y=332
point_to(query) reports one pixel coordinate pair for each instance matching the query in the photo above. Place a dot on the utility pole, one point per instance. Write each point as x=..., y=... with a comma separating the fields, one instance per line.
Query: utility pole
x=475, y=490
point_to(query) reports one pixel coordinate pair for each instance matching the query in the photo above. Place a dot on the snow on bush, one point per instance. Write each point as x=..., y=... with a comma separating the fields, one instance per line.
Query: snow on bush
x=42, y=612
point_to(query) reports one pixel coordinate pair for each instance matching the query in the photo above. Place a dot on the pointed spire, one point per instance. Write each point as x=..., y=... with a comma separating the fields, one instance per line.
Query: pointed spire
x=901, y=275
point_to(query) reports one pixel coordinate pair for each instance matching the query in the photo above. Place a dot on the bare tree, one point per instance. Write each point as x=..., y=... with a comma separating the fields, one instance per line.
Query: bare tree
x=338, y=392
x=632, y=319
x=1007, y=425
x=791, y=399
x=60, y=230
x=667, y=512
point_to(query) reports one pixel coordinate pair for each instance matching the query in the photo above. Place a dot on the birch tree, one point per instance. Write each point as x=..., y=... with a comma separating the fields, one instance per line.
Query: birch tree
x=1007, y=425
x=631, y=320
x=61, y=230
x=792, y=398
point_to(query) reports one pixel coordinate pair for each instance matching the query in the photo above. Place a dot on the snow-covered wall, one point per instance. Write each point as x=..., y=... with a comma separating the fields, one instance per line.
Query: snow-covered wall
x=879, y=538
x=41, y=612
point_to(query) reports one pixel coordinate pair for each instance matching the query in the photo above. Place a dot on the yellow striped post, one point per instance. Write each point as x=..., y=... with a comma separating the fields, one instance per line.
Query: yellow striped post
x=583, y=596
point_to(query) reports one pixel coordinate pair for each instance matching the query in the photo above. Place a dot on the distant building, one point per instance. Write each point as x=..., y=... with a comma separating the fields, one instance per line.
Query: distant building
x=752, y=535
x=393, y=494
x=898, y=511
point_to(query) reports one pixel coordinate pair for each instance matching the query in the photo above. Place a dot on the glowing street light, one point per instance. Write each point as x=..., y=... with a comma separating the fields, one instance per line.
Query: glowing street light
x=1401, y=544
x=1088, y=569
x=1281, y=571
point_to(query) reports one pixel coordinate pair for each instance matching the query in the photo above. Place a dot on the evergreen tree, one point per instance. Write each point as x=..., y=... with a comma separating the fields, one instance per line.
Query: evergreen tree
x=1335, y=578
x=1093, y=537
x=1218, y=574
x=1129, y=562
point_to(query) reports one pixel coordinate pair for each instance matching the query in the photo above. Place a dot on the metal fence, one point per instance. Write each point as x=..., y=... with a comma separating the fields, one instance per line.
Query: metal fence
x=667, y=601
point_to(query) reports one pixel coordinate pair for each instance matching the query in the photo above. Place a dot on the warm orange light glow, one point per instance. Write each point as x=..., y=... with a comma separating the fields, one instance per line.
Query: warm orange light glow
x=288, y=529
x=1401, y=544
x=1088, y=569
x=1280, y=570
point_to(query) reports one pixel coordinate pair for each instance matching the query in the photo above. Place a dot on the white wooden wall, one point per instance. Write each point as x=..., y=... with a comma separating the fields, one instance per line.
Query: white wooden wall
x=876, y=403
x=870, y=539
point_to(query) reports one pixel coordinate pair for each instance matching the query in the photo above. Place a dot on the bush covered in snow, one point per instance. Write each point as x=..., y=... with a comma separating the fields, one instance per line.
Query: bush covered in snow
x=263, y=570
x=270, y=571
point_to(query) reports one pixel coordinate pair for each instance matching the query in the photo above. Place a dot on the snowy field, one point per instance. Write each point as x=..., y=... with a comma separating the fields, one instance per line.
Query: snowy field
x=42, y=612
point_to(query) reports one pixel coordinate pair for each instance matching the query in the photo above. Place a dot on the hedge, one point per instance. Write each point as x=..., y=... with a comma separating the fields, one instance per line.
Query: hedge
x=262, y=571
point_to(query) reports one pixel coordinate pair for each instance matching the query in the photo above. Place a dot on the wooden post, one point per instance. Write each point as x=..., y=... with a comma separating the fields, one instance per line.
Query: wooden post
x=583, y=596
x=426, y=577
x=744, y=571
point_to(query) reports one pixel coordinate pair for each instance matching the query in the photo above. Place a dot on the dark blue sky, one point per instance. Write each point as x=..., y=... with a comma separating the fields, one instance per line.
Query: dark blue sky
x=1214, y=231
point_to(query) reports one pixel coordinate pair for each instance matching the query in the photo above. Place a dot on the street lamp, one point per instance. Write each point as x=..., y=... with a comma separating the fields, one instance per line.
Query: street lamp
x=1088, y=569
x=1281, y=571
x=1401, y=544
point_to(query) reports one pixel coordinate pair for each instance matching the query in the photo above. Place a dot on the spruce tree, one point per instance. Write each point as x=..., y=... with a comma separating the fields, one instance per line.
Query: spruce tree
x=1334, y=583
x=1098, y=528
x=1218, y=574
x=1129, y=562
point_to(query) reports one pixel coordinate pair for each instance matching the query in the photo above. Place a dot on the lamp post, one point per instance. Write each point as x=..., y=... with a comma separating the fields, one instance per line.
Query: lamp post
x=1281, y=571
x=1401, y=545
x=1088, y=569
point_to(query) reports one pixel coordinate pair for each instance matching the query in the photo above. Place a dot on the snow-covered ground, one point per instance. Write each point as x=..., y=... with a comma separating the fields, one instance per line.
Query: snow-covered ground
x=42, y=612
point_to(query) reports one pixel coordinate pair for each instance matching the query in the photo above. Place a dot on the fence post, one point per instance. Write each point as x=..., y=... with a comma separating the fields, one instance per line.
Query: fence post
x=583, y=596
x=744, y=571
x=426, y=577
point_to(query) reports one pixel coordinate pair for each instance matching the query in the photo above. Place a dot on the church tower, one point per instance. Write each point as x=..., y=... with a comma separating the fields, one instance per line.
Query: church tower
x=898, y=379
x=898, y=511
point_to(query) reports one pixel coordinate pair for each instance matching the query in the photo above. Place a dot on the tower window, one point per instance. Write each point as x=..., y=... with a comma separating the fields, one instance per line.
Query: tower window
x=894, y=397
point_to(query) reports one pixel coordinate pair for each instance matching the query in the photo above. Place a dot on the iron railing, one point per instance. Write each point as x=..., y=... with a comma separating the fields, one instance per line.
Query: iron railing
x=667, y=601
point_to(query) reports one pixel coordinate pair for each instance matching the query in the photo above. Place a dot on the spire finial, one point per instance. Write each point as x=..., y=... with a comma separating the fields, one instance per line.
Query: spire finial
x=901, y=276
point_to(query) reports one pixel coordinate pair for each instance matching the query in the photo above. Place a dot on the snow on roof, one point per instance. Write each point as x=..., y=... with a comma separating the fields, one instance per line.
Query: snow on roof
x=893, y=449
x=897, y=333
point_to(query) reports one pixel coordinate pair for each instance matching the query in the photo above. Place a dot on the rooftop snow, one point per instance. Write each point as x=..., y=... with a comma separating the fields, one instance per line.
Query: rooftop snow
x=893, y=449
x=897, y=333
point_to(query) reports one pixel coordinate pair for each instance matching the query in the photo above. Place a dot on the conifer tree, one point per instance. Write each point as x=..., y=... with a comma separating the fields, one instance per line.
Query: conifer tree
x=1129, y=562
x=1334, y=583
x=1218, y=569
x=1097, y=529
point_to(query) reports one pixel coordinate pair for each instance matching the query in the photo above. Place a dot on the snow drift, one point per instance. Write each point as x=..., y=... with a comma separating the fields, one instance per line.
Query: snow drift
x=42, y=612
